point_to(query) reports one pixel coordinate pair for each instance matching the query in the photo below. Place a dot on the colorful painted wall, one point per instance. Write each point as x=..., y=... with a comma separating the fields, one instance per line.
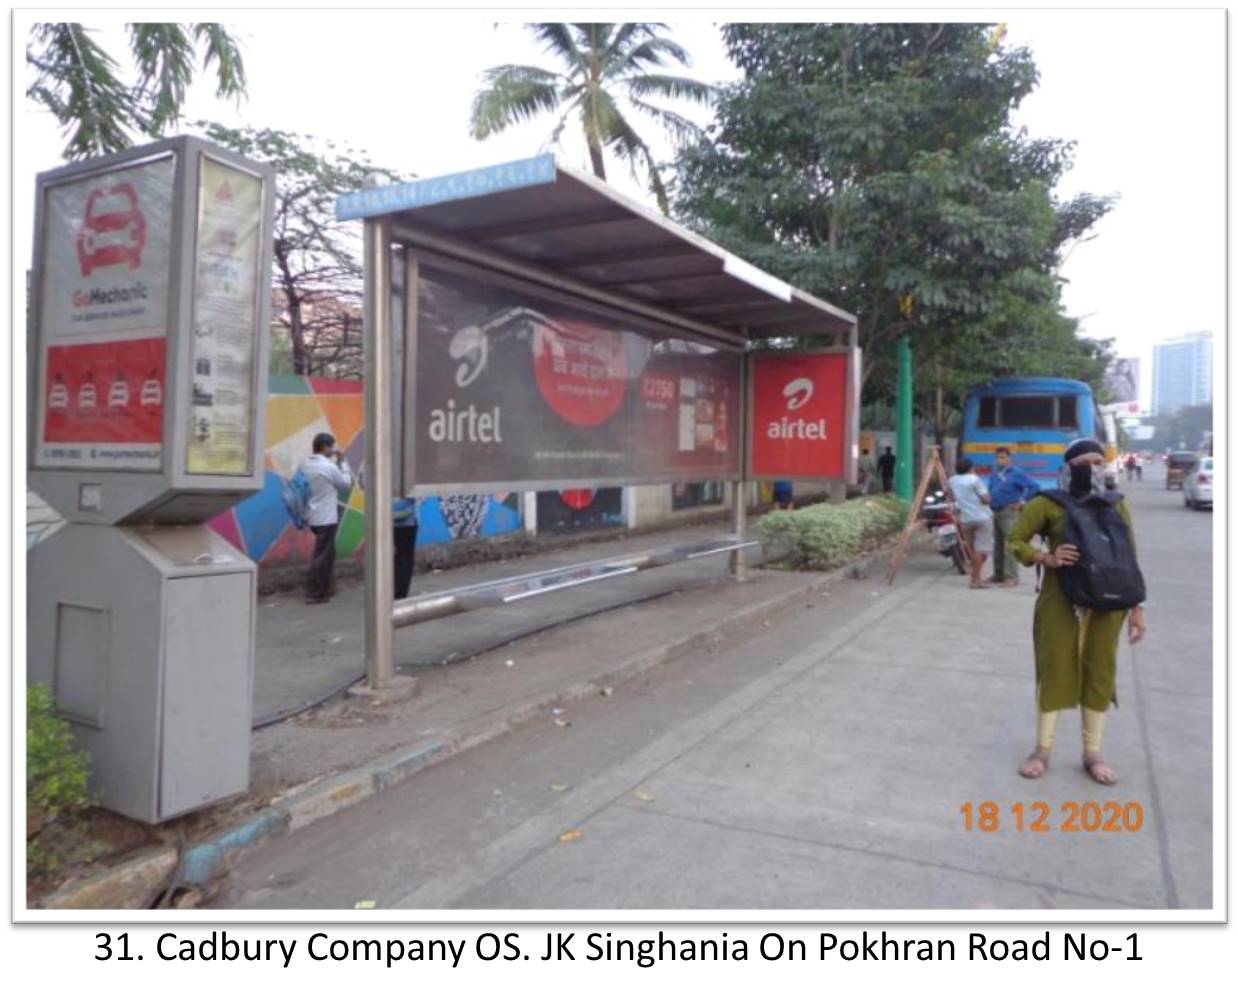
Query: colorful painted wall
x=298, y=409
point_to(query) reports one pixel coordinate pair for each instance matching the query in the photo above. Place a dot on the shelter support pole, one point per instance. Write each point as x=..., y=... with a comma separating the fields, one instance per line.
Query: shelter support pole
x=379, y=540
x=904, y=444
x=739, y=524
x=739, y=489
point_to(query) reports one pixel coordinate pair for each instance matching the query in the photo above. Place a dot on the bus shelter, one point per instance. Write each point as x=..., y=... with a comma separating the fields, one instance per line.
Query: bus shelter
x=529, y=328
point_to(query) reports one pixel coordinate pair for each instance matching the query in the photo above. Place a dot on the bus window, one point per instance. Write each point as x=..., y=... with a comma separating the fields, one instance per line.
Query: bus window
x=988, y=413
x=1028, y=412
x=1067, y=408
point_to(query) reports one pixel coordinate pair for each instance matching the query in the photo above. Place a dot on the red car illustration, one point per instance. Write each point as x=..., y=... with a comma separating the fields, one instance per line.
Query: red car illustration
x=152, y=391
x=118, y=393
x=113, y=231
x=58, y=397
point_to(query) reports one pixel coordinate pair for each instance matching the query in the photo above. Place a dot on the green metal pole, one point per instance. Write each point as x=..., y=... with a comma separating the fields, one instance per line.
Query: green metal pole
x=904, y=448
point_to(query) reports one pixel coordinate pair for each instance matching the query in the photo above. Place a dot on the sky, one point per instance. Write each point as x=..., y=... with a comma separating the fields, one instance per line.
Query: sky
x=1141, y=92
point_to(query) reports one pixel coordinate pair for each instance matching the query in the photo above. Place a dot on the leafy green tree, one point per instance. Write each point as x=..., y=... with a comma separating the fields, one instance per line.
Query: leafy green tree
x=602, y=68
x=76, y=79
x=876, y=165
x=318, y=268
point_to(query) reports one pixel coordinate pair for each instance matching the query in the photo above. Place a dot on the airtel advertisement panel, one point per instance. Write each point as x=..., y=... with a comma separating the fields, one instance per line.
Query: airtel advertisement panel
x=515, y=391
x=804, y=415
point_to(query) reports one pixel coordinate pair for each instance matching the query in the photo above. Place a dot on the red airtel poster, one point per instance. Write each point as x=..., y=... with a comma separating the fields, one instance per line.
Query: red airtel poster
x=803, y=416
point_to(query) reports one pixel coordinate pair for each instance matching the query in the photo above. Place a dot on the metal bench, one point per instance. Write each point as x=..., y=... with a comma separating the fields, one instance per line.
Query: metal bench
x=504, y=591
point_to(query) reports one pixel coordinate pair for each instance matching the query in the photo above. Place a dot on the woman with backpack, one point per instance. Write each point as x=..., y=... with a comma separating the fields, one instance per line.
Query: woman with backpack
x=1075, y=635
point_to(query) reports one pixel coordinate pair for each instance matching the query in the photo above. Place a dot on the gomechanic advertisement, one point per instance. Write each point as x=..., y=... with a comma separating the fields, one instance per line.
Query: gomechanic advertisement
x=103, y=318
x=515, y=390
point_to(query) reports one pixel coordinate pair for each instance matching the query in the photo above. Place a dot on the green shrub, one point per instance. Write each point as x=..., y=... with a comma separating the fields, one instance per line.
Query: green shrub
x=57, y=774
x=825, y=536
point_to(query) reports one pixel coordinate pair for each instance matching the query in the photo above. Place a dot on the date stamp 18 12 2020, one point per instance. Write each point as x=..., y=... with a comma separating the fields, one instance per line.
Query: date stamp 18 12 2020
x=1042, y=817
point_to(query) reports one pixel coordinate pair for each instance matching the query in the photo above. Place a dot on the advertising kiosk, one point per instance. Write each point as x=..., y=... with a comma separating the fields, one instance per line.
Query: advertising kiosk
x=148, y=359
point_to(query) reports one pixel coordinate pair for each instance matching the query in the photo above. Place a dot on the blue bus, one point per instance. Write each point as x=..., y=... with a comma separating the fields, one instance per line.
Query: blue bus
x=1036, y=417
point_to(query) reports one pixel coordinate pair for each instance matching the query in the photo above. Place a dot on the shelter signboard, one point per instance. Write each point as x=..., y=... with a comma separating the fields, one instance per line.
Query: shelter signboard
x=804, y=423
x=515, y=391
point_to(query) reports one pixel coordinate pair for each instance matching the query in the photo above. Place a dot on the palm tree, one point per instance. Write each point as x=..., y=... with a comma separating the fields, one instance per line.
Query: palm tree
x=602, y=63
x=76, y=79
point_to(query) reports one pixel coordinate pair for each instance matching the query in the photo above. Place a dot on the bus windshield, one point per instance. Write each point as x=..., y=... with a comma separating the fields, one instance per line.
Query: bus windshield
x=1028, y=411
x=1034, y=419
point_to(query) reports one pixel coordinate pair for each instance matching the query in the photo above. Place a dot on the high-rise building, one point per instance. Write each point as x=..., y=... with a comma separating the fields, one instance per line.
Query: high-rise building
x=1182, y=373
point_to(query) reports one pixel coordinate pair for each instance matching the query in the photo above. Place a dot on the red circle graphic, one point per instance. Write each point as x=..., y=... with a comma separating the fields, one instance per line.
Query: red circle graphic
x=581, y=370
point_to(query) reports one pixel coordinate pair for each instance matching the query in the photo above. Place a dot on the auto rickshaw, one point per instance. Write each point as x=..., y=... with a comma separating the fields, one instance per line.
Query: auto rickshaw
x=1177, y=466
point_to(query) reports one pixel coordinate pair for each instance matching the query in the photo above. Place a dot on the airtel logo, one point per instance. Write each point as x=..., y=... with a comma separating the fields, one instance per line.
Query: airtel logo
x=798, y=393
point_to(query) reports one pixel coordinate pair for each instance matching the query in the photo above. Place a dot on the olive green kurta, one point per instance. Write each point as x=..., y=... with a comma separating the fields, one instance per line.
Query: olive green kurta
x=1069, y=670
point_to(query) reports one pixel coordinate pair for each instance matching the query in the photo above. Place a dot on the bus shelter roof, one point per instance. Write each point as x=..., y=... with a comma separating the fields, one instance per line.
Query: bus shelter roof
x=565, y=228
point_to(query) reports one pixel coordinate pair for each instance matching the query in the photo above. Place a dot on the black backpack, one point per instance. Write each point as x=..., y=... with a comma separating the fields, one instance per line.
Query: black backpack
x=1106, y=575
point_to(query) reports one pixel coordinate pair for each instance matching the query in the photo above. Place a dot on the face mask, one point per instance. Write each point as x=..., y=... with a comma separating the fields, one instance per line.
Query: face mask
x=1082, y=479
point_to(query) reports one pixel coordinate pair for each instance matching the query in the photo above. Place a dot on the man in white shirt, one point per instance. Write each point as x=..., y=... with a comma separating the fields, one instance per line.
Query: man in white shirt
x=971, y=499
x=327, y=474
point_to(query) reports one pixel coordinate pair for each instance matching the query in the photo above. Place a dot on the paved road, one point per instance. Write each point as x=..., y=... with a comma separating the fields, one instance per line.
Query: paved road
x=817, y=762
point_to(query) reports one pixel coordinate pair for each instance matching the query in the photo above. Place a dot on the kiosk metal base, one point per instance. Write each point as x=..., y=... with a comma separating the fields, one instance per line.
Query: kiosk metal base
x=146, y=637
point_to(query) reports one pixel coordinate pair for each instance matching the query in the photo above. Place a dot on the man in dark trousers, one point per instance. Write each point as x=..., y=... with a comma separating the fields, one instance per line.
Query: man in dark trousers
x=885, y=467
x=404, y=527
x=1010, y=488
x=327, y=474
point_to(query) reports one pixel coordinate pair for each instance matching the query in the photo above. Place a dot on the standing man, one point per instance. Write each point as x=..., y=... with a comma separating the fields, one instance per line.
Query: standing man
x=885, y=467
x=404, y=523
x=971, y=499
x=327, y=474
x=784, y=495
x=1009, y=491
x=867, y=472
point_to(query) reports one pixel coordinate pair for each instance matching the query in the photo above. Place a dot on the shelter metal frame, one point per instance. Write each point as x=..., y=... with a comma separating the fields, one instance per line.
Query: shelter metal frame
x=484, y=223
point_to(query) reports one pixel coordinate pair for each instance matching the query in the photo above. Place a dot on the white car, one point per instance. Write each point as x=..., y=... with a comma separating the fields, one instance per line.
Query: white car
x=1197, y=485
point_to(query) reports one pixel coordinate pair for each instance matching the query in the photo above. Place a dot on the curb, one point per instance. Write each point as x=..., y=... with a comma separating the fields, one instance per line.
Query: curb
x=139, y=879
x=140, y=882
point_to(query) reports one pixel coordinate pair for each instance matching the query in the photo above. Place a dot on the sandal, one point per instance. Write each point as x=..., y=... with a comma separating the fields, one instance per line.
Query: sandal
x=1099, y=771
x=1039, y=756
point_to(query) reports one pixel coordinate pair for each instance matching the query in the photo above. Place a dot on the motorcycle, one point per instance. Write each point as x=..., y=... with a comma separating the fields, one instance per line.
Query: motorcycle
x=939, y=520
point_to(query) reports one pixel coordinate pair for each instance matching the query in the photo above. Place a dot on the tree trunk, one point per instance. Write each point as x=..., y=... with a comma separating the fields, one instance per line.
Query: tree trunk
x=300, y=355
x=595, y=156
x=296, y=326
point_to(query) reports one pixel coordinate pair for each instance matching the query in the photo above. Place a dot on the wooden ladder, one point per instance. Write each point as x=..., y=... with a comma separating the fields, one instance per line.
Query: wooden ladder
x=932, y=466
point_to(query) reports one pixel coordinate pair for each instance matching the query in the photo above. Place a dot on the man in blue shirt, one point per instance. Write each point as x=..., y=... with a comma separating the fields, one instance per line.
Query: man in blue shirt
x=1009, y=489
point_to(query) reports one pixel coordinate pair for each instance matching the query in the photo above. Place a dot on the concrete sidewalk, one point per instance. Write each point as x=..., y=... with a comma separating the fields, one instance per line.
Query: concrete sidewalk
x=470, y=702
x=336, y=754
x=820, y=761
x=307, y=652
